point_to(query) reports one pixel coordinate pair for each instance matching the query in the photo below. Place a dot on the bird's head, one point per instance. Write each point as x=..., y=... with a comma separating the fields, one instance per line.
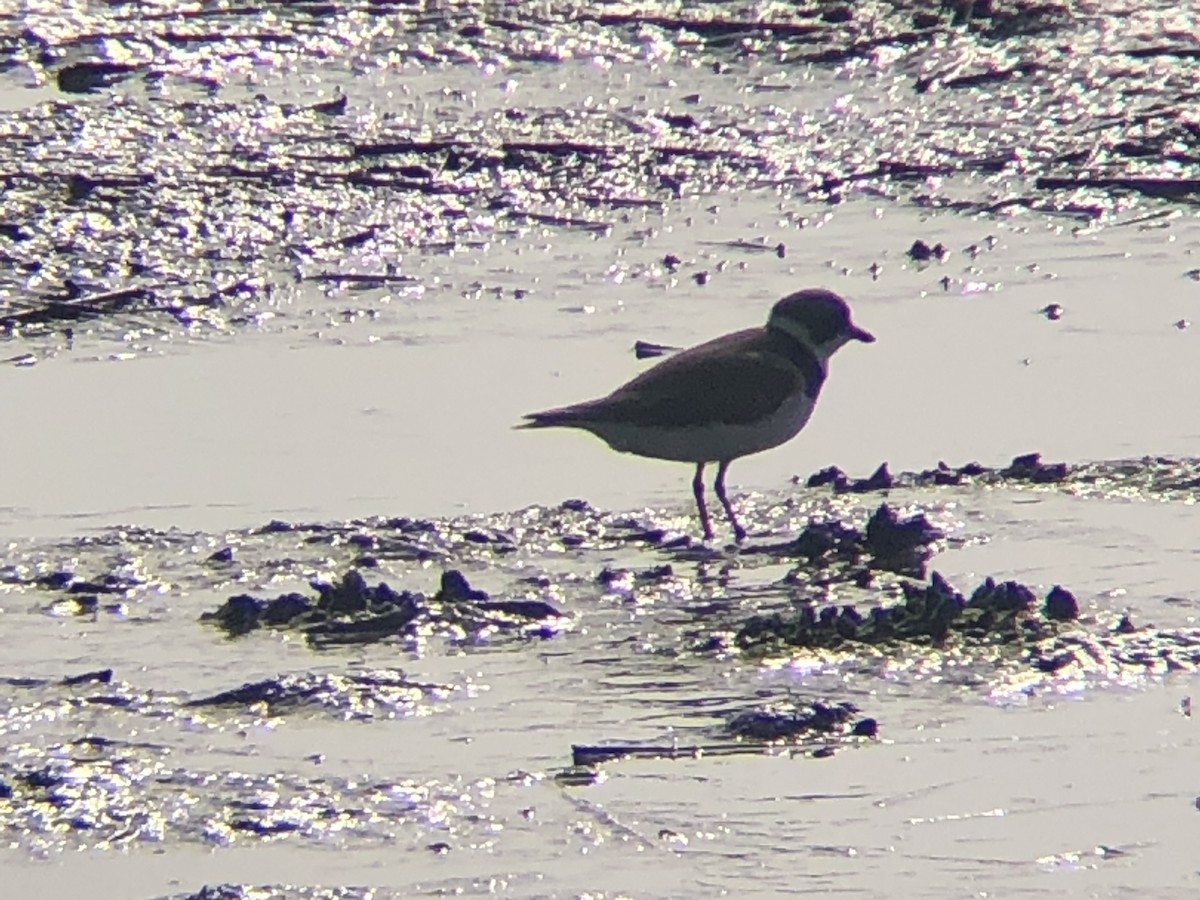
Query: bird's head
x=817, y=318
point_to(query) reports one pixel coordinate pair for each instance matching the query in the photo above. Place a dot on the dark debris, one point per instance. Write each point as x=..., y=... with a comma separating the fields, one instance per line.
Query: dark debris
x=797, y=722
x=888, y=543
x=362, y=695
x=351, y=611
x=930, y=615
x=1149, y=475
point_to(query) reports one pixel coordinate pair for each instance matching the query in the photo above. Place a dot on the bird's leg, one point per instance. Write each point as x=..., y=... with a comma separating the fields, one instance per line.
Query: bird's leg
x=698, y=490
x=738, y=531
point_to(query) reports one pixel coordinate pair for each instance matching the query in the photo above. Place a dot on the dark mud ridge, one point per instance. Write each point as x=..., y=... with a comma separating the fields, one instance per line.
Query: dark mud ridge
x=816, y=729
x=887, y=544
x=931, y=615
x=350, y=611
x=1166, y=477
x=359, y=695
x=292, y=892
x=351, y=695
x=1003, y=626
x=999, y=623
x=1028, y=468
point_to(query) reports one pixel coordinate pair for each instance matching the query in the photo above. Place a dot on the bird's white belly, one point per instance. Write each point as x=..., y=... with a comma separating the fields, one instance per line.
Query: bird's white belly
x=710, y=443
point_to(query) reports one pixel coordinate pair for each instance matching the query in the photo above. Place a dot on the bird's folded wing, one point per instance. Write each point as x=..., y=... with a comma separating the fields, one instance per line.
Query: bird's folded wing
x=733, y=389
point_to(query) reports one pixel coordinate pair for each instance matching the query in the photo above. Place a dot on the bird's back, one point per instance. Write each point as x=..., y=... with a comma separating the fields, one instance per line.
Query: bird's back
x=729, y=397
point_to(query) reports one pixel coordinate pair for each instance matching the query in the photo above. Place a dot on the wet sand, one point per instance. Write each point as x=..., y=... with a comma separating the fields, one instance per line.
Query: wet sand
x=424, y=393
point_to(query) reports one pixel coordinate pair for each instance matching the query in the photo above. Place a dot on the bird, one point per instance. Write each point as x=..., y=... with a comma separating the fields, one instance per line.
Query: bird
x=730, y=397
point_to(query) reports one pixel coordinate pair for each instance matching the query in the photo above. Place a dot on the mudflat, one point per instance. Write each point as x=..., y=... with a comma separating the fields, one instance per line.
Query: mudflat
x=290, y=609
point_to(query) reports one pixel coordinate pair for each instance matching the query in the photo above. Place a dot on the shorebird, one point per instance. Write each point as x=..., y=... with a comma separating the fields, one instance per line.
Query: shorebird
x=727, y=398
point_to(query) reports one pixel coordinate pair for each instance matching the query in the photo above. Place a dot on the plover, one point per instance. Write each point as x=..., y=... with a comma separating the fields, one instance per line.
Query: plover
x=724, y=399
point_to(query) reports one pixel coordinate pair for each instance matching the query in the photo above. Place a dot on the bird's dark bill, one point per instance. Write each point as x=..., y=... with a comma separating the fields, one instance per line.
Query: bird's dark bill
x=859, y=335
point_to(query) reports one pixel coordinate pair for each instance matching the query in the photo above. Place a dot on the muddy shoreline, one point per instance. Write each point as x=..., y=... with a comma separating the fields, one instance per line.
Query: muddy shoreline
x=261, y=192
x=289, y=609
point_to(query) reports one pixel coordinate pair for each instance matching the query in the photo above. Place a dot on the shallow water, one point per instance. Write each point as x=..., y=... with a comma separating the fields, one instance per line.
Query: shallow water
x=426, y=763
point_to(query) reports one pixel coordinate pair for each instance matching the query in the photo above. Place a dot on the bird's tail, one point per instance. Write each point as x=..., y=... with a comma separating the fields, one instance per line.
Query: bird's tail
x=564, y=417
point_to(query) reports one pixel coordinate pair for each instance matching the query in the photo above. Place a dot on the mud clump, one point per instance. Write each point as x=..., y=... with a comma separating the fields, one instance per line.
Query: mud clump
x=1031, y=468
x=920, y=252
x=881, y=480
x=817, y=727
x=901, y=546
x=363, y=695
x=930, y=615
x=619, y=579
x=1061, y=605
x=889, y=543
x=1121, y=651
x=790, y=722
x=1026, y=468
x=99, y=676
x=351, y=611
